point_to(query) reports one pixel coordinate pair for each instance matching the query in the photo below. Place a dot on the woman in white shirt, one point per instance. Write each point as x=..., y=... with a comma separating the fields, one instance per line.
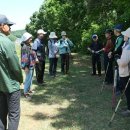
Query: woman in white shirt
x=124, y=69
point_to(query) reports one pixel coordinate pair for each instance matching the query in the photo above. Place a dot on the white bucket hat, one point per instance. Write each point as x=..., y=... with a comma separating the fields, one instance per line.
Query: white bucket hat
x=52, y=35
x=41, y=31
x=126, y=33
x=25, y=37
x=63, y=33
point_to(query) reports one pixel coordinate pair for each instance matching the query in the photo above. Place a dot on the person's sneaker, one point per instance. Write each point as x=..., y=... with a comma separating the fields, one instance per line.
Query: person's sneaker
x=126, y=113
x=31, y=92
x=27, y=96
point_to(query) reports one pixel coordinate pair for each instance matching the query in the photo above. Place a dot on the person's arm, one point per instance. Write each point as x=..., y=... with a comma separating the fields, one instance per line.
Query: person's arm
x=56, y=46
x=70, y=43
x=90, y=48
x=50, y=45
x=13, y=62
x=24, y=57
x=118, y=47
x=125, y=58
x=34, y=46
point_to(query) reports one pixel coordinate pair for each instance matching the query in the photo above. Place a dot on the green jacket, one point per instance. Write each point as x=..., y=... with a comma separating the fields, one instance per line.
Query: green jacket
x=10, y=71
x=118, y=45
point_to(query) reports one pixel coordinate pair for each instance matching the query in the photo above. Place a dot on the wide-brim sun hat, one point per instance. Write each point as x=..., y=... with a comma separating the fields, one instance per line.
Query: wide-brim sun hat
x=26, y=36
x=63, y=33
x=52, y=35
x=126, y=33
x=41, y=31
x=5, y=20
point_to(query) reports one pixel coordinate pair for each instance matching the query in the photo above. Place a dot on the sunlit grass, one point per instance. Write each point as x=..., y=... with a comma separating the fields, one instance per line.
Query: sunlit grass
x=71, y=102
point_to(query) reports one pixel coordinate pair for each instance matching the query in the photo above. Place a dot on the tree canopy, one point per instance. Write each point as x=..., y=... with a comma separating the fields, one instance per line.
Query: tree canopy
x=80, y=18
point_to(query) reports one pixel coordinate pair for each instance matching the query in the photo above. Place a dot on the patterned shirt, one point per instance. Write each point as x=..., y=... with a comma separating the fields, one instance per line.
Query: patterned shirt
x=28, y=57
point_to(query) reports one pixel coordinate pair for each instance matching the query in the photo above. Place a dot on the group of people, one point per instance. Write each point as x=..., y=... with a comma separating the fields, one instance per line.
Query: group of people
x=116, y=60
x=33, y=55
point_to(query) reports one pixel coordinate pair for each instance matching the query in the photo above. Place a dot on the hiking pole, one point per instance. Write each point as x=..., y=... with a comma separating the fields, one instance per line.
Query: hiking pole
x=114, y=113
x=114, y=87
x=103, y=84
x=99, y=51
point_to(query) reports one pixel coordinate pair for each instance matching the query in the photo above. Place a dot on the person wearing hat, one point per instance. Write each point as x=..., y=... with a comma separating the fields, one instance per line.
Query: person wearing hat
x=95, y=48
x=10, y=78
x=39, y=47
x=124, y=69
x=53, y=51
x=28, y=60
x=64, y=45
x=108, y=62
x=116, y=52
x=120, y=39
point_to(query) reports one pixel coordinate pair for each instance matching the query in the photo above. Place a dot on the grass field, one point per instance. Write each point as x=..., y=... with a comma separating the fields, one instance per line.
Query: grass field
x=71, y=102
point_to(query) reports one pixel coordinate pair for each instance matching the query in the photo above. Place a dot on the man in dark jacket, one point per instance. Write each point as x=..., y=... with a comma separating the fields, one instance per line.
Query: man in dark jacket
x=10, y=79
x=95, y=48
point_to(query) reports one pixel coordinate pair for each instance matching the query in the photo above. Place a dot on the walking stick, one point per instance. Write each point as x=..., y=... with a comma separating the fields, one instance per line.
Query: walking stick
x=114, y=113
x=103, y=84
x=114, y=88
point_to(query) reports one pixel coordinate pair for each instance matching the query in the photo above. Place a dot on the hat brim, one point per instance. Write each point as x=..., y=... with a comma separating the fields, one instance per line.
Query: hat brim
x=53, y=37
x=125, y=34
x=44, y=32
x=10, y=23
x=41, y=32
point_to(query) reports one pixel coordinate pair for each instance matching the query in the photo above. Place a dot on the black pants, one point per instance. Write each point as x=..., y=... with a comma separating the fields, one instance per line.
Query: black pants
x=53, y=65
x=108, y=66
x=9, y=105
x=40, y=68
x=96, y=61
x=123, y=81
x=65, y=63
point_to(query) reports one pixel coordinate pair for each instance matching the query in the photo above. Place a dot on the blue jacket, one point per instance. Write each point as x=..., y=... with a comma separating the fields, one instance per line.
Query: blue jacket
x=64, y=46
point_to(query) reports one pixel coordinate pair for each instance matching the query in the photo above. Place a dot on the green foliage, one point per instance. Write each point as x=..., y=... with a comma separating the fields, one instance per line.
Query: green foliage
x=80, y=18
x=18, y=33
x=12, y=37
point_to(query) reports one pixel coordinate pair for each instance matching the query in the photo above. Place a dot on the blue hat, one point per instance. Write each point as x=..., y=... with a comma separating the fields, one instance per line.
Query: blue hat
x=118, y=27
x=94, y=36
x=5, y=20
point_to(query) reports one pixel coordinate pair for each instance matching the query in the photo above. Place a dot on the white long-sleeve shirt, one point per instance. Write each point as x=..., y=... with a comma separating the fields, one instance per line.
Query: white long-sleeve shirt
x=124, y=61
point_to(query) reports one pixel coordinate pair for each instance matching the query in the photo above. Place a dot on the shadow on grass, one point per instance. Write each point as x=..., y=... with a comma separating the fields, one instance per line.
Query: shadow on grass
x=38, y=116
x=86, y=110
